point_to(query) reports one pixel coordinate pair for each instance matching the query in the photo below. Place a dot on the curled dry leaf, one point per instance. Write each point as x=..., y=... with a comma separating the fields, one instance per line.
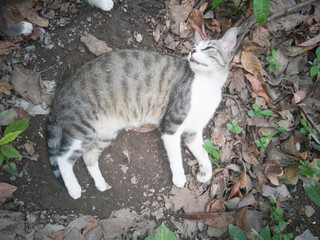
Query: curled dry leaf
x=251, y=64
x=311, y=42
x=6, y=47
x=27, y=11
x=96, y=46
x=235, y=190
x=289, y=146
x=196, y=21
x=5, y=88
x=6, y=189
x=273, y=172
x=258, y=88
x=243, y=179
x=291, y=173
x=241, y=218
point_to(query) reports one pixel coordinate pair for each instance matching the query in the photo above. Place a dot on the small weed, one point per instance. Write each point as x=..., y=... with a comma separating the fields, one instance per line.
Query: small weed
x=260, y=113
x=162, y=233
x=285, y=180
x=307, y=170
x=273, y=62
x=280, y=129
x=315, y=65
x=305, y=128
x=212, y=151
x=266, y=138
x=7, y=151
x=233, y=127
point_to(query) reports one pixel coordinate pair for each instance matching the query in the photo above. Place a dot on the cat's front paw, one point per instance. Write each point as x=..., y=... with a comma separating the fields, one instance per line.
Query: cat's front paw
x=179, y=181
x=26, y=28
x=75, y=191
x=204, y=175
x=101, y=186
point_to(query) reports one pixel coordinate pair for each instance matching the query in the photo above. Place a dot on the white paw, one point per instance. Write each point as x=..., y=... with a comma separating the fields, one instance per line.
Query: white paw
x=101, y=185
x=105, y=5
x=75, y=191
x=204, y=175
x=27, y=28
x=179, y=180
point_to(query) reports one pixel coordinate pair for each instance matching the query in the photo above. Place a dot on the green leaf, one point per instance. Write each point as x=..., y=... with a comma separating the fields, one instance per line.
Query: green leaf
x=272, y=200
x=234, y=122
x=230, y=127
x=237, y=129
x=317, y=147
x=9, y=151
x=277, y=229
x=303, y=130
x=303, y=122
x=273, y=53
x=265, y=233
x=281, y=129
x=311, y=63
x=207, y=144
x=266, y=112
x=163, y=233
x=272, y=68
x=276, y=126
x=318, y=53
x=18, y=125
x=282, y=223
x=9, y=137
x=236, y=233
x=261, y=10
x=215, y=3
x=256, y=107
x=1, y=158
x=258, y=143
x=269, y=59
x=312, y=188
x=216, y=155
x=12, y=169
x=3, y=114
x=251, y=113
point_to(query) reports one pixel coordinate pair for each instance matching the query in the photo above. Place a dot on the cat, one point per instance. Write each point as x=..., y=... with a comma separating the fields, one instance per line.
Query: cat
x=129, y=88
x=25, y=28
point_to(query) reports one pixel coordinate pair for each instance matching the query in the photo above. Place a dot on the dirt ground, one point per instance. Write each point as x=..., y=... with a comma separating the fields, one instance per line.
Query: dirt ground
x=135, y=165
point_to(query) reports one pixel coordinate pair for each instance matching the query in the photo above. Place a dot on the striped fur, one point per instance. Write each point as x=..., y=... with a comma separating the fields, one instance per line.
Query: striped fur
x=129, y=88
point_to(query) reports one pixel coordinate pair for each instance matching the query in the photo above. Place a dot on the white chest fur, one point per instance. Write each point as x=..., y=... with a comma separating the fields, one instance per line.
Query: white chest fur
x=205, y=98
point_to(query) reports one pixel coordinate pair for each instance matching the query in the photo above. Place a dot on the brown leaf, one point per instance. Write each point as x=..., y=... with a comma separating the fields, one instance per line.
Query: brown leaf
x=290, y=172
x=235, y=189
x=251, y=64
x=216, y=205
x=258, y=88
x=92, y=223
x=273, y=171
x=196, y=21
x=283, y=59
x=5, y=88
x=262, y=180
x=6, y=47
x=6, y=189
x=243, y=179
x=311, y=42
x=289, y=146
x=57, y=235
x=220, y=221
x=241, y=218
x=213, y=25
x=260, y=36
x=299, y=96
x=29, y=85
x=96, y=46
x=251, y=46
x=156, y=33
x=29, y=13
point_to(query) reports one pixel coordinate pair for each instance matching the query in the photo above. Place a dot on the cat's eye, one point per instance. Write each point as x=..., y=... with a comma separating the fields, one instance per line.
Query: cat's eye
x=209, y=48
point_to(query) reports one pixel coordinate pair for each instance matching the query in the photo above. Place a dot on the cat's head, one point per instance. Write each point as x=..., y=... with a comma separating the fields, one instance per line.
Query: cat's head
x=211, y=55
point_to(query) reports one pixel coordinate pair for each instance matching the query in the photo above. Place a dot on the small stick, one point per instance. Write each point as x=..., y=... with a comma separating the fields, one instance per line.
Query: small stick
x=310, y=120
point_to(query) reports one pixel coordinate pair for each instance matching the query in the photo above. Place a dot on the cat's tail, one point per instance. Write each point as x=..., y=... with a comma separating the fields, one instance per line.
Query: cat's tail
x=54, y=136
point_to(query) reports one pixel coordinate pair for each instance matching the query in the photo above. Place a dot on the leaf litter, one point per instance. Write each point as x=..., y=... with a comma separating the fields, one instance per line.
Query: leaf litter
x=230, y=197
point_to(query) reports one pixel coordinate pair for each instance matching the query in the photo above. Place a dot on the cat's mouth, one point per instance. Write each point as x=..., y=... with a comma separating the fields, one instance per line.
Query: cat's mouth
x=196, y=62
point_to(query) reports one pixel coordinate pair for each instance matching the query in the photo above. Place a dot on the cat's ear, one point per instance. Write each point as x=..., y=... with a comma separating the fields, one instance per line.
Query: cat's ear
x=197, y=38
x=229, y=39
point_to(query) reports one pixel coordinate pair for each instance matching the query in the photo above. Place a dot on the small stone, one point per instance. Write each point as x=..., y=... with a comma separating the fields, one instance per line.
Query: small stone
x=134, y=180
x=309, y=211
x=139, y=38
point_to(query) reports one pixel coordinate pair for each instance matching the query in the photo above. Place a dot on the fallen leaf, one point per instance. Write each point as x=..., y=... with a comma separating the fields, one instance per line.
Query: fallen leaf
x=216, y=205
x=6, y=47
x=291, y=173
x=243, y=179
x=299, y=96
x=273, y=172
x=251, y=64
x=247, y=200
x=283, y=59
x=29, y=13
x=260, y=36
x=213, y=25
x=258, y=88
x=156, y=33
x=96, y=46
x=235, y=189
x=241, y=218
x=288, y=122
x=254, y=221
x=92, y=223
x=57, y=235
x=251, y=46
x=289, y=146
x=311, y=42
x=29, y=85
x=5, y=88
x=237, y=81
x=6, y=189
x=196, y=21
x=280, y=191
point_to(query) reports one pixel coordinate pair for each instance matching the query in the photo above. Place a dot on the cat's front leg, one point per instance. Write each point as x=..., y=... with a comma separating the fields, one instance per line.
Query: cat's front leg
x=194, y=142
x=172, y=145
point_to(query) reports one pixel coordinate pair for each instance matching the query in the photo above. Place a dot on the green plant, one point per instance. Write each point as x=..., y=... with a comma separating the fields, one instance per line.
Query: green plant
x=260, y=113
x=307, y=170
x=233, y=127
x=7, y=151
x=305, y=128
x=315, y=65
x=280, y=129
x=312, y=188
x=266, y=138
x=273, y=62
x=163, y=233
x=212, y=151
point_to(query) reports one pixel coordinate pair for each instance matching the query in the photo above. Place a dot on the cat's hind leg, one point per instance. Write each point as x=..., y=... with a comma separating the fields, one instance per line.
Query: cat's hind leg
x=65, y=162
x=91, y=157
x=194, y=142
x=172, y=145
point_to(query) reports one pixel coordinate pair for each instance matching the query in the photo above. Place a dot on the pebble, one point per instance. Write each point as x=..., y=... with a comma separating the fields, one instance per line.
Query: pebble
x=139, y=38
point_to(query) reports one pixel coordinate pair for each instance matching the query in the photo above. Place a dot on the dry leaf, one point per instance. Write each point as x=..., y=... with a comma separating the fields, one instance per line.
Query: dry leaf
x=92, y=223
x=290, y=172
x=241, y=218
x=273, y=171
x=235, y=189
x=6, y=189
x=5, y=88
x=196, y=21
x=260, y=36
x=258, y=88
x=213, y=25
x=57, y=235
x=251, y=46
x=96, y=46
x=251, y=64
x=243, y=180
x=289, y=146
x=216, y=205
x=156, y=33
x=311, y=42
x=299, y=96
x=283, y=59
x=29, y=13
x=6, y=47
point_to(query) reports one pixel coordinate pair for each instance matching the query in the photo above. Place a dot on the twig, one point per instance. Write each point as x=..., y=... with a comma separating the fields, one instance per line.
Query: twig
x=47, y=69
x=310, y=120
x=250, y=22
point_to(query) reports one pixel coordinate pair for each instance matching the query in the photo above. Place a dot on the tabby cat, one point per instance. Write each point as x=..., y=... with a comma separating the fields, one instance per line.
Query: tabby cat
x=129, y=88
